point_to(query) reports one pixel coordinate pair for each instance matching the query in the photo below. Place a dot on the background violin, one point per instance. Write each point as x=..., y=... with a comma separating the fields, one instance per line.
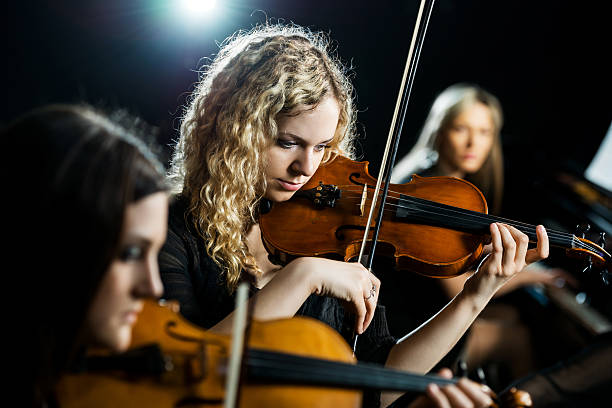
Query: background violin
x=288, y=362
x=435, y=226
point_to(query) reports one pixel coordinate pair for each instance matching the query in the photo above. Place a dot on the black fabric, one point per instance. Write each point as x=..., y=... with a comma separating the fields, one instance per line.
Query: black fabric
x=192, y=278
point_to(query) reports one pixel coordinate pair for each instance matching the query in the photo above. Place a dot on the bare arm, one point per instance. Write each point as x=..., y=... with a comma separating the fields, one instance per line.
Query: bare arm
x=420, y=350
x=283, y=295
x=534, y=274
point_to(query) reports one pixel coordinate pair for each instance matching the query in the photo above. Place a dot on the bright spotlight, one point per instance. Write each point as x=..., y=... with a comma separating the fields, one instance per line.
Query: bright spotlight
x=198, y=8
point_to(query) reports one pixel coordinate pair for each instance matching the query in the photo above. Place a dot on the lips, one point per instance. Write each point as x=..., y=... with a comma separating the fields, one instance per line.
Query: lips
x=289, y=186
x=132, y=315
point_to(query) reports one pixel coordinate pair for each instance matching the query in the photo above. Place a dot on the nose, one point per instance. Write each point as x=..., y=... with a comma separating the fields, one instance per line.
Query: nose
x=305, y=164
x=470, y=138
x=150, y=284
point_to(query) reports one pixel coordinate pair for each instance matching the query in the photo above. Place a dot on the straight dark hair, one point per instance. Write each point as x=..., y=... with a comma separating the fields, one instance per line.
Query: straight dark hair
x=72, y=172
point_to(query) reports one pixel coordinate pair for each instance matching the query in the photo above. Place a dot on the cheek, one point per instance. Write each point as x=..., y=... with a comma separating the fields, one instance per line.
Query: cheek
x=485, y=145
x=104, y=317
x=274, y=163
x=451, y=147
x=318, y=159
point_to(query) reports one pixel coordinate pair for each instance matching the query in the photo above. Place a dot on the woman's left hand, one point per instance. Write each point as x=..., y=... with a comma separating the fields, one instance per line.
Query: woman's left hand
x=464, y=393
x=509, y=255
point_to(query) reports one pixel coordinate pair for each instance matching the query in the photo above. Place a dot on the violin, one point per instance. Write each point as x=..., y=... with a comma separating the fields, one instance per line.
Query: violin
x=434, y=226
x=288, y=362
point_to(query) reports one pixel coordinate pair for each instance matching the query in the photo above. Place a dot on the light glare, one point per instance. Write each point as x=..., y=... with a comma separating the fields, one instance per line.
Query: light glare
x=198, y=7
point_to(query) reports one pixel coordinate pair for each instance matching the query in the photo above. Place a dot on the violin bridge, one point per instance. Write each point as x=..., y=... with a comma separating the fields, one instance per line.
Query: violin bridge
x=364, y=196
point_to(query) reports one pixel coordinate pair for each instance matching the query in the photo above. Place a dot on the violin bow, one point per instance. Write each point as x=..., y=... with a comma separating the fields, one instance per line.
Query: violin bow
x=237, y=347
x=395, y=130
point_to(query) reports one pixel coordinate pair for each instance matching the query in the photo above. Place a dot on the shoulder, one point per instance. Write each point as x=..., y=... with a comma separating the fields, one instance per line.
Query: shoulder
x=180, y=219
x=429, y=172
x=181, y=240
x=178, y=213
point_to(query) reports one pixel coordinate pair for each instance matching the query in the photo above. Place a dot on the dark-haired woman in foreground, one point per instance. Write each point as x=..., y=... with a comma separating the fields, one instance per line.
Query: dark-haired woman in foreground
x=94, y=202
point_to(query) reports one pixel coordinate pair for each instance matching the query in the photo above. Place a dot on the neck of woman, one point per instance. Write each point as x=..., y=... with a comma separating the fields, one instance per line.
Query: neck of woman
x=445, y=169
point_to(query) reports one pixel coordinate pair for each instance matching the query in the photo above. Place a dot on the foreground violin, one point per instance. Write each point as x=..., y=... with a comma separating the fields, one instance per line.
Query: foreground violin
x=435, y=226
x=289, y=362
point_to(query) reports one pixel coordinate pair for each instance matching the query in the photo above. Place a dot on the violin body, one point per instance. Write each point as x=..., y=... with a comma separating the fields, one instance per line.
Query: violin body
x=295, y=362
x=337, y=233
x=434, y=226
x=194, y=366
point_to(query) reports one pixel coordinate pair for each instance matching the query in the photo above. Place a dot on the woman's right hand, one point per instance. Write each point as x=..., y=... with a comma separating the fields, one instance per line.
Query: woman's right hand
x=350, y=282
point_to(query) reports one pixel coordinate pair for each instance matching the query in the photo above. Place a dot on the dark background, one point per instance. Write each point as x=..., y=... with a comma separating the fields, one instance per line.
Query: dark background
x=545, y=60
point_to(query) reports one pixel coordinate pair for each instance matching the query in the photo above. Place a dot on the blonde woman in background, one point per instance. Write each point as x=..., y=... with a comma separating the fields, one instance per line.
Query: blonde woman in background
x=461, y=138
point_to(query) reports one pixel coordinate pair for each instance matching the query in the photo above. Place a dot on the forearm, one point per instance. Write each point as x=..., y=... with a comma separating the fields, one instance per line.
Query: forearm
x=453, y=286
x=279, y=298
x=420, y=350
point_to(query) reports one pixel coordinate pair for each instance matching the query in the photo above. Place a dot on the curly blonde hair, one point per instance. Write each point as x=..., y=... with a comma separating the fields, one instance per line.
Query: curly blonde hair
x=219, y=160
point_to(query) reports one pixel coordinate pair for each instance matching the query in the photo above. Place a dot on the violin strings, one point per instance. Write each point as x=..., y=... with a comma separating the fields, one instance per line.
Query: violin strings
x=397, y=195
x=484, y=218
x=560, y=237
x=464, y=215
x=480, y=217
x=568, y=240
x=287, y=367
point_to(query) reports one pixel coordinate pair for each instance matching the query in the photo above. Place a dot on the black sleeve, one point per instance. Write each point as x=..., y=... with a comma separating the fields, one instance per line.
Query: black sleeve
x=189, y=275
x=175, y=266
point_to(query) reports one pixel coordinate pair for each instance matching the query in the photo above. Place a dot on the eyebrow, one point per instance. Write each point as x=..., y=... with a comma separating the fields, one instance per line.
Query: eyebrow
x=137, y=239
x=302, y=140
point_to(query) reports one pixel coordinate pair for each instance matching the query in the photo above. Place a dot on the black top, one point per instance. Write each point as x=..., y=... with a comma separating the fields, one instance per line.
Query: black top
x=192, y=278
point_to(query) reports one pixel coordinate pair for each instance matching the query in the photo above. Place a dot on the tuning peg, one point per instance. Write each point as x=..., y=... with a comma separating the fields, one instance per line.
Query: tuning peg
x=480, y=374
x=602, y=240
x=589, y=265
x=605, y=277
x=582, y=229
x=462, y=369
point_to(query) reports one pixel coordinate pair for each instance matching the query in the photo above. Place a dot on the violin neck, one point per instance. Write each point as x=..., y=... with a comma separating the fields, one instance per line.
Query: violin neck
x=414, y=209
x=265, y=366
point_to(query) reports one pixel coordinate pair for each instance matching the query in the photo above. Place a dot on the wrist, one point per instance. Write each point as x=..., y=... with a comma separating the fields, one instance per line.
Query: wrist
x=306, y=275
x=472, y=300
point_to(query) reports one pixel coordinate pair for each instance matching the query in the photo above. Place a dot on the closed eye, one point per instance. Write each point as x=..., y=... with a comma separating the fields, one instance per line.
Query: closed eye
x=286, y=144
x=131, y=253
x=321, y=147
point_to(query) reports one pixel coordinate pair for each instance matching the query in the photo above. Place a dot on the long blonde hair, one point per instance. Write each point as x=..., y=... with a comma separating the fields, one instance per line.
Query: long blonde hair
x=219, y=162
x=446, y=107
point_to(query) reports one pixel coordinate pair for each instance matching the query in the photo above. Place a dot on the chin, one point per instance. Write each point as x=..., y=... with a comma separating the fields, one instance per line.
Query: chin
x=279, y=196
x=470, y=169
x=121, y=341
